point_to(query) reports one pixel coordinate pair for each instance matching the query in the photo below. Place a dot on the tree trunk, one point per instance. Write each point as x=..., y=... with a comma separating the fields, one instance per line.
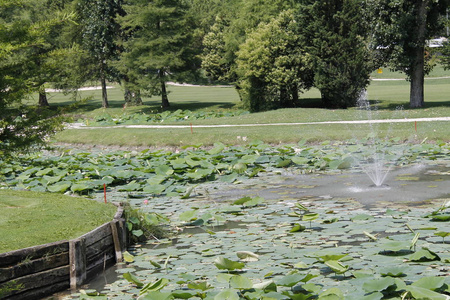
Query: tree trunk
x=43, y=102
x=165, y=100
x=105, y=103
x=416, y=98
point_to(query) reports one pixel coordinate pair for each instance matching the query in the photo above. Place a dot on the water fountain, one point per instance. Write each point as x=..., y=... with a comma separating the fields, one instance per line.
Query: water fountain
x=376, y=162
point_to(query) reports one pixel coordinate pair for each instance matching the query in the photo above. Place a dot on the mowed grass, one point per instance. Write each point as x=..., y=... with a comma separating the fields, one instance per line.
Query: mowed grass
x=30, y=218
x=389, y=100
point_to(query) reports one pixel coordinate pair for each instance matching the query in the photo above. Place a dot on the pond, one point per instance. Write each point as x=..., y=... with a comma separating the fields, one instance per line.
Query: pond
x=285, y=235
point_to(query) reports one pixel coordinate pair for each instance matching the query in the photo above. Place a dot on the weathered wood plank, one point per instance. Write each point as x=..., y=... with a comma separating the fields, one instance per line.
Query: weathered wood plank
x=97, y=234
x=34, y=266
x=116, y=239
x=100, y=263
x=119, y=213
x=77, y=260
x=12, y=258
x=37, y=280
x=40, y=292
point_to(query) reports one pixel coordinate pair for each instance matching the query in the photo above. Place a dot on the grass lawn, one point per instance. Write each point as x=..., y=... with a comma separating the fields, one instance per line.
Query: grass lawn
x=30, y=218
x=389, y=98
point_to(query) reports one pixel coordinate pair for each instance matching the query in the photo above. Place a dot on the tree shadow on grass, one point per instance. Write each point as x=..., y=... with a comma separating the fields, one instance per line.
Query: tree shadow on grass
x=395, y=105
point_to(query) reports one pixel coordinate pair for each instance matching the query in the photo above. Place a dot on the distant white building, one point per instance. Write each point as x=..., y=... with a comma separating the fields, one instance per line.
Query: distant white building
x=435, y=43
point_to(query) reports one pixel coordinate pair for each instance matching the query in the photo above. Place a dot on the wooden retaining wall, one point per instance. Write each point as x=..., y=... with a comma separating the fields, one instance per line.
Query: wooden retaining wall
x=43, y=270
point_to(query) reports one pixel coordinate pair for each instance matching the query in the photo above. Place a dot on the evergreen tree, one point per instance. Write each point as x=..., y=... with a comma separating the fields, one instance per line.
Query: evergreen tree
x=99, y=32
x=158, y=46
x=334, y=35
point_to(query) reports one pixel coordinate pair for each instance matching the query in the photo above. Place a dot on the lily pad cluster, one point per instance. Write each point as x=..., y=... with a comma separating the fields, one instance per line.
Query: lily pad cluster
x=163, y=172
x=251, y=252
x=166, y=116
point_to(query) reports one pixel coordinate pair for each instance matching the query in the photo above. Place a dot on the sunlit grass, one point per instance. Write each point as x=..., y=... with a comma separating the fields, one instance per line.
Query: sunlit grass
x=30, y=218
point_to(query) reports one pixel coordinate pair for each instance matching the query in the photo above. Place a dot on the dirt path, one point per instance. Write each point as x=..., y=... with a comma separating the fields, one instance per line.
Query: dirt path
x=437, y=119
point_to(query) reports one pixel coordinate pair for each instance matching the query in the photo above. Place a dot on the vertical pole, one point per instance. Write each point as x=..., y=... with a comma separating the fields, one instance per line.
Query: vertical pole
x=77, y=261
x=116, y=239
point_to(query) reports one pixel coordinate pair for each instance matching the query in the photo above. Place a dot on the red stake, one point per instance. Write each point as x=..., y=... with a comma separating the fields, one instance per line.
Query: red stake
x=192, y=130
x=415, y=125
x=104, y=191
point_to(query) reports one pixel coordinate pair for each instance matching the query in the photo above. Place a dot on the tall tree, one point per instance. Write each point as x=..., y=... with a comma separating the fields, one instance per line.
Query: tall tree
x=272, y=65
x=401, y=30
x=335, y=38
x=99, y=31
x=158, y=46
x=230, y=30
x=22, y=127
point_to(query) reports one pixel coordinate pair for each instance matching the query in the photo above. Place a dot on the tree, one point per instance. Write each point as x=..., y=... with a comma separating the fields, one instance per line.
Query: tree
x=99, y=31
x=335, y=39
x=230, y=30
x=22, y=127
x=401, y=30
x=273, y=66
x=158, y=46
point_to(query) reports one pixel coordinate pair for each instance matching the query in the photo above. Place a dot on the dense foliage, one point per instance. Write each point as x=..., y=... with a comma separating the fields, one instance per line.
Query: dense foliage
x=25, y=59
x=270, y=50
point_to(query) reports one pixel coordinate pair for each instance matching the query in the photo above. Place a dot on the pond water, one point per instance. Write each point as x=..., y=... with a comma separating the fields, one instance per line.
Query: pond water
x=349, y=213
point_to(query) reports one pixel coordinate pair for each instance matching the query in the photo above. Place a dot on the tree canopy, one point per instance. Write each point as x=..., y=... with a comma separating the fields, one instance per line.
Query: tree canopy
x=400, y=30
x=24, y=42
x=270, y=50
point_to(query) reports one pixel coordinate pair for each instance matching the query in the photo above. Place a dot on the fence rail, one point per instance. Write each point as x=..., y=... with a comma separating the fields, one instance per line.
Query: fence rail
x=36, y=272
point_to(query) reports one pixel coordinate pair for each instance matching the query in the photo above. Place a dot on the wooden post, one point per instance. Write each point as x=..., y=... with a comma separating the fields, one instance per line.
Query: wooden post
x=77, y=261
x=116, y=239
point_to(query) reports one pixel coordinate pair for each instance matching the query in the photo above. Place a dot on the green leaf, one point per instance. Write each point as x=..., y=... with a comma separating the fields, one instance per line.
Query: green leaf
x=247, y=256
x=442, y=234
x=133, y=279
x=218, y=147
x=130, y=187
x=183, y=294
x=155, y=286
x=266, y=286
x=253, y=202
x=300, y=160
x=223, y=263
x=310, y=216
x=163, y=170
x=424, y=255
x=297, y=228
x=430, y=282
x=157, y=295
x=282, y=163
x=242, y=200
x=240, y=282
x=293, y=279
x=227, y=294
x=202, y=285
x=337, y=266
x=137, y=232
x=379, y=285
x=188, y=215
x=155, y=189
x=423, y=293
x=188, y=192
x=441, y=218
x=128, y=257
x=332, y=294
x=393, y=272
x=155, y=264
x=59, y=187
